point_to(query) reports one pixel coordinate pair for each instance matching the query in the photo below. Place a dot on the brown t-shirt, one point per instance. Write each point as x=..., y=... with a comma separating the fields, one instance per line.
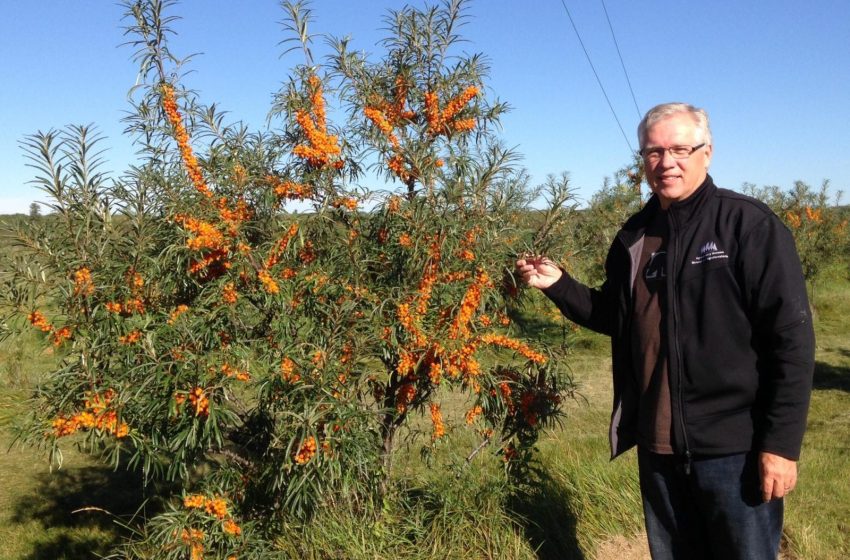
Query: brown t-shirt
x=649, y=350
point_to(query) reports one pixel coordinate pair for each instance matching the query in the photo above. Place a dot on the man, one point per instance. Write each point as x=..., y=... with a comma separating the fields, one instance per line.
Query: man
x=712, y=346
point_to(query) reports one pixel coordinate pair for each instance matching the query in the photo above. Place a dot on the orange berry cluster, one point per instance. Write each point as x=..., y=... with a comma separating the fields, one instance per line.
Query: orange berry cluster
x=280, y=246
x=39, y=321
x=239, y=375
x=469, y=305
x=380, y=119
x=232, y=218
x=60, y=335
x=197, y=398
x=307, y=254
x=306, y=452
x=216, y=507
x=210, y=241
x=466, y=255
x=134, y=304
x=96, y=414
x=394, y=204
x=435, y=372
x=408, y=322
x=813, y=215
x=322, y=149
x=229, y=294
x=465, y=252
x=795, y=219
x=178, y=311
x=287, y=371
x=505, y=389
x=472, y=414
x=130, y=338
x=444, y=122
x=406, y=363
x=169, y=104
x=129, y=307
x=437, y=420
x=57, y=336
x=267, y=281
x=83, y=285
x=345, y=202
x=513, y=344
x=207, y=237
x=530, y=403
x=388, y=116
x=404, y=396
x=288, y=189
x=463, y=363
x=194, y=538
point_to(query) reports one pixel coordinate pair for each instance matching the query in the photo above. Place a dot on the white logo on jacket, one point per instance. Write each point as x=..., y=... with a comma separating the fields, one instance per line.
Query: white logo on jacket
x=709, y=252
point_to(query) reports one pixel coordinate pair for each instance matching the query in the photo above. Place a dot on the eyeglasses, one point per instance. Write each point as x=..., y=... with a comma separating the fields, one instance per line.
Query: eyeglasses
x=654, y=155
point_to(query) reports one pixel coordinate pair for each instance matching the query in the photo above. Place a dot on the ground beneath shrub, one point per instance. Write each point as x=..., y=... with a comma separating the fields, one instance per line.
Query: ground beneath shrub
x=635, y=548
x=623, y=548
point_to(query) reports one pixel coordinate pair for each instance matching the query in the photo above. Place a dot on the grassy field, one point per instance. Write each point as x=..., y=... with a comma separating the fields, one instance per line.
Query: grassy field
x=578, y=506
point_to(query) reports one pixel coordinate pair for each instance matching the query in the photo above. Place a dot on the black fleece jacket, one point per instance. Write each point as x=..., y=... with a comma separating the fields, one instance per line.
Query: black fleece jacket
x=737, y=322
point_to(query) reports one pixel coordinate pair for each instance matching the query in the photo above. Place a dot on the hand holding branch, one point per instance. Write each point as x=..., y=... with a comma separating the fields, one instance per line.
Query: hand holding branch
x=537, y=271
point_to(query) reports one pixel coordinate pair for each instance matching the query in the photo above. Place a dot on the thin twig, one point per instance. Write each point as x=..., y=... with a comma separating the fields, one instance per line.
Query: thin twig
x=478, y=449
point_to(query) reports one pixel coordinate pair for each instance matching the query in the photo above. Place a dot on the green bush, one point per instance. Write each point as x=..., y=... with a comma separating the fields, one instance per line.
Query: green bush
x=237, y=314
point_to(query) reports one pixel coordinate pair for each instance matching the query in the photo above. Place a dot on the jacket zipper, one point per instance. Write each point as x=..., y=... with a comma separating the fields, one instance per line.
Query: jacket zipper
x=674, y=339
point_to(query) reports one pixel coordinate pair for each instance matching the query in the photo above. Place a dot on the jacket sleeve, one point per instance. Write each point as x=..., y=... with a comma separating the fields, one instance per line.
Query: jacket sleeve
x=592, y=308
x=775, y=295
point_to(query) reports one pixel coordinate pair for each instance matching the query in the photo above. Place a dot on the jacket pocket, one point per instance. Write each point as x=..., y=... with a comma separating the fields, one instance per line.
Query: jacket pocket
x=721, y=433
x=700, y=269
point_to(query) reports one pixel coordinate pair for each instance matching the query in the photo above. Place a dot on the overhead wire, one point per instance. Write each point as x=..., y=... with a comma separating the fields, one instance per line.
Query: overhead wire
x=598, y=81
x=622, y=64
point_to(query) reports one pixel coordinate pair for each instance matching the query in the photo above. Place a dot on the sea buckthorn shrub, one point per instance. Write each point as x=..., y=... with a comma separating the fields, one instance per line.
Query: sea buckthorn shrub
x=594, y=229
x=242, y=315
x=818, y=224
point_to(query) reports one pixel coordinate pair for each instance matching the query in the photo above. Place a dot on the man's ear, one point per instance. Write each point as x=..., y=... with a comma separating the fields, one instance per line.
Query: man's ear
x=707, y=155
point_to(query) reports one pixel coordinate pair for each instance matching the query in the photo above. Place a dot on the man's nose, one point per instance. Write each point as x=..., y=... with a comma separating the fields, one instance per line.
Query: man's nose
x=667, y=159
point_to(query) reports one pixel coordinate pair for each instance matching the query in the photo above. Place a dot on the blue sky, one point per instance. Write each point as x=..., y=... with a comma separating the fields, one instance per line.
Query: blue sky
x=774, y=77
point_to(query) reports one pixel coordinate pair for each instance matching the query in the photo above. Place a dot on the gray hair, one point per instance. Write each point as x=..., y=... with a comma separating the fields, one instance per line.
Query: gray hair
x=661, y=112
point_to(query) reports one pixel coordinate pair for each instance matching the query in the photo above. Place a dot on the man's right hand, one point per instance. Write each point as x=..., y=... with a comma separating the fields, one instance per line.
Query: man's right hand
x=538, y=272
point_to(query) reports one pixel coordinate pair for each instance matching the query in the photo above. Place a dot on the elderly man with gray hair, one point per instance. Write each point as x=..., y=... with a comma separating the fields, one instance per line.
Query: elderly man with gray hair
x=712, y=346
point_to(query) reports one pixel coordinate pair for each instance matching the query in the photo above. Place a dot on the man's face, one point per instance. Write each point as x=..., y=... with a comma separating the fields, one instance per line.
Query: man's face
x=675, y=179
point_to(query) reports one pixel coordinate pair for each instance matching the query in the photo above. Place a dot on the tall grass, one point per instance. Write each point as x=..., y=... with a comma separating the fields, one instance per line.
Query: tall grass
x=818, y=511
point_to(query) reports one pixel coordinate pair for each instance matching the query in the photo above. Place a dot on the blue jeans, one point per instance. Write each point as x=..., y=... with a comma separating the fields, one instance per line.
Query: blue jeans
x=715, y=512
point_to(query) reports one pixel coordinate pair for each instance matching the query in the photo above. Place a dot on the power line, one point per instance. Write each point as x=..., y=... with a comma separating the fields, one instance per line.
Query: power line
x=622, y=64
x=598, y=81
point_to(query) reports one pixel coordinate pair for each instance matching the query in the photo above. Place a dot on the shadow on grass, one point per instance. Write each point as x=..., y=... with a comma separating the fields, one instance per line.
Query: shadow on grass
x=541, y=327
x=561, y=334
x=831, y=377
x=543, y=511
x=80, y=509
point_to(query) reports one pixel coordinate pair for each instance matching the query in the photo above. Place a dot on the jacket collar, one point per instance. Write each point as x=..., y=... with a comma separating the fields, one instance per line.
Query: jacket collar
x=681, y=212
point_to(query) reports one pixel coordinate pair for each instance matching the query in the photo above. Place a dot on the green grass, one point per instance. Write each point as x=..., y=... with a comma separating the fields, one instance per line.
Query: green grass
x=68, y=513
x=818, y=512
x=578, y=500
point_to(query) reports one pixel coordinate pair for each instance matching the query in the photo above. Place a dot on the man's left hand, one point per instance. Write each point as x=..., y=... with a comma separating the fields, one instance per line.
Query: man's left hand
x=778, y=475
